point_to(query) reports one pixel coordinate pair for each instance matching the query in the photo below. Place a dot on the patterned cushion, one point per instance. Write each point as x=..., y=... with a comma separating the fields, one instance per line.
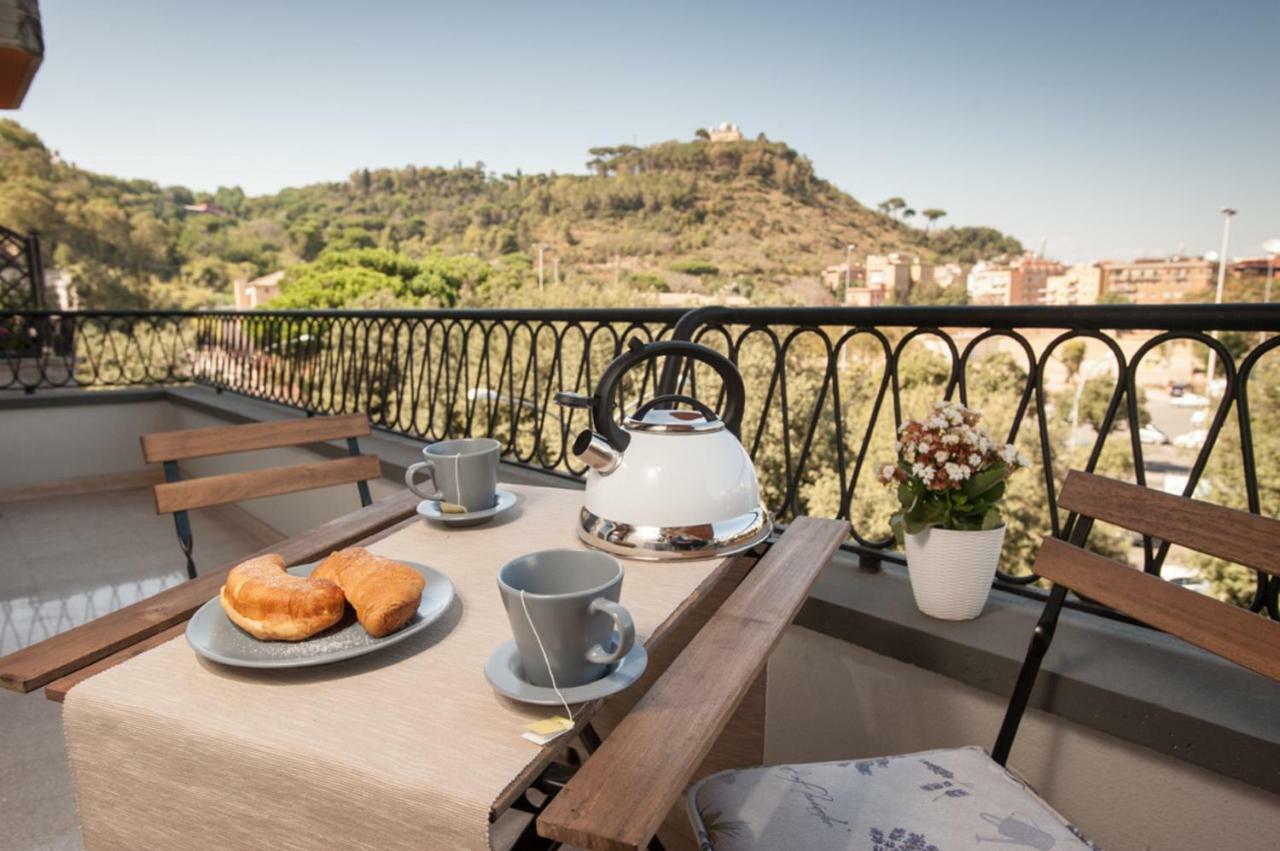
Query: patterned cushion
x=942, y=800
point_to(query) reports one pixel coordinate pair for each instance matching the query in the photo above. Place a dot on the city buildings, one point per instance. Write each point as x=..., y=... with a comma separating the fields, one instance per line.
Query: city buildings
x=1158, y=280
x=893, y=273
x=864, y=296
x=1078, y=284
x=947, y=274
x=1017, y=280
x=838, y=276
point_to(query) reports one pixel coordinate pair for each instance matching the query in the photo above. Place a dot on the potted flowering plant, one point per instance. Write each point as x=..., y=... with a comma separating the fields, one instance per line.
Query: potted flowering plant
x=950, y=478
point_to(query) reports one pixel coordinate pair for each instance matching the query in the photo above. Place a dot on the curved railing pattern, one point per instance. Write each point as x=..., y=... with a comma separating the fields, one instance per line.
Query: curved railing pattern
x=827, y=388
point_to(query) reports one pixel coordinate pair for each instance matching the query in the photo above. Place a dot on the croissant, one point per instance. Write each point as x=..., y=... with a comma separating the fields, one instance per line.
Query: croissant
x=384, y=593
x=270, y=604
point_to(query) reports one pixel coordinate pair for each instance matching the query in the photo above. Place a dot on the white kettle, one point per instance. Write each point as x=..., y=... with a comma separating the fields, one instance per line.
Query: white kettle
x=669, y=482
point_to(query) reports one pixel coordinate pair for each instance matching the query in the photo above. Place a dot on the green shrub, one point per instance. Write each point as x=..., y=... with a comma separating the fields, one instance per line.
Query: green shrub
x=647, y=281
x=695, y=267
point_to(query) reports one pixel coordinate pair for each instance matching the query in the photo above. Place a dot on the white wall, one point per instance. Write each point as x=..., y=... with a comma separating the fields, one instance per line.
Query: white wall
x=45, y=444
x=830, y=700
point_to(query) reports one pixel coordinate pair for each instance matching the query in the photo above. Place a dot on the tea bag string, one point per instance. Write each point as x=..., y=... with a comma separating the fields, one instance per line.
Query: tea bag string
x=545, y=659
x=457, y=477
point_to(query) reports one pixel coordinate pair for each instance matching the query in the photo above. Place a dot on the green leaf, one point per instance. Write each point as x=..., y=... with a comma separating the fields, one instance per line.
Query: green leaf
x=991, y=519
x=980, y=483
x=897, y=525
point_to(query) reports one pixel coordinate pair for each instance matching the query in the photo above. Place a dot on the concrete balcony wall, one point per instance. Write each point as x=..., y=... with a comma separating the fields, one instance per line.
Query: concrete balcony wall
x=48, y=443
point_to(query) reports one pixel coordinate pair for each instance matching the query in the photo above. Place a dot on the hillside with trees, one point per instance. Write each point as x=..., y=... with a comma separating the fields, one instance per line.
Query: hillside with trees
x=748, y=217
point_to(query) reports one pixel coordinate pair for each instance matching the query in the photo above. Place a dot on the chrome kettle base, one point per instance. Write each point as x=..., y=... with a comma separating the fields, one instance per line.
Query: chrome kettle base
x=675, y=543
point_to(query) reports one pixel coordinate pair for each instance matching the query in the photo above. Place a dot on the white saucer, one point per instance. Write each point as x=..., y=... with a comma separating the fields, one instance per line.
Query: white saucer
x=506, y=675
x=430, y=509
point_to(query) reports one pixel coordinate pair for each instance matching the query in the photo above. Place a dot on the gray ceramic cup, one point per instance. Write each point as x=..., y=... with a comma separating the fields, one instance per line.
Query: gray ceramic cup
x=572, y=600
x=464, y=472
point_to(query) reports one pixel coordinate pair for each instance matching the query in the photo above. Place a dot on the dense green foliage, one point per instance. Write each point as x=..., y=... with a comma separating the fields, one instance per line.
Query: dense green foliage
x=370, y=277
x=750, y=217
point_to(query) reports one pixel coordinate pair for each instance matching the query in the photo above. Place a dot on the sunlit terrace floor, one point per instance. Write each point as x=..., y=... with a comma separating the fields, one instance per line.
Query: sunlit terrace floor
x=46, y=587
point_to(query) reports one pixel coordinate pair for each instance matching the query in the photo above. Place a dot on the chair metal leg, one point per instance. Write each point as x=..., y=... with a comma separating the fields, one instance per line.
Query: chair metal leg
x=353, y=447
x=187, y=545
x=181, y=522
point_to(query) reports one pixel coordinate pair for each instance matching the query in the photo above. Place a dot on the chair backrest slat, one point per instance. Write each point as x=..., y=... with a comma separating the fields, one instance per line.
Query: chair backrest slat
x=220, y=440
x=1240, y=636
x=1238, y=536
x=234, y=487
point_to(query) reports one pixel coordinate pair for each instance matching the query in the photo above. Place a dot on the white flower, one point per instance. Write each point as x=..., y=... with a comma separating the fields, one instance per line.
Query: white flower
x=887, y=471
x=1009, y=453
x=942, y=456
x=975, y=459
x=918, y=470
x=935, y=422
x=927, y=475
x=951, y=439
x=957, y=472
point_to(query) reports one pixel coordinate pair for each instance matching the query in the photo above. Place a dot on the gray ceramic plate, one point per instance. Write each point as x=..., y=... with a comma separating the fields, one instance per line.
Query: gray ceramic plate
x=505, y=501
x=212, y=634
x=506, y=675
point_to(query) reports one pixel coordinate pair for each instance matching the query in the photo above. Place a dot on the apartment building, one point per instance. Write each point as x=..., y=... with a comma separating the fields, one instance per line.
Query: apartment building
x=1018, y=280
x=1078, y=284
x=893, y=273
x=1158, y=280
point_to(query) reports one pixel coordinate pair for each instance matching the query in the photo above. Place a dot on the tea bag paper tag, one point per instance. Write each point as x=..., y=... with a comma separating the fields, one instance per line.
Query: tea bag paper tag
x=541, y=732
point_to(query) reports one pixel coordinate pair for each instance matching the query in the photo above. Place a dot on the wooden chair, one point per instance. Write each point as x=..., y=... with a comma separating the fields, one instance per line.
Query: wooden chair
x=177, y=496
x=948, y=798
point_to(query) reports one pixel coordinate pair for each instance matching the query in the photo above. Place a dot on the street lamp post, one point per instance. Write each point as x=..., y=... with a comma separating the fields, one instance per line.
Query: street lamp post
x=541, y=248
x=1227, y=213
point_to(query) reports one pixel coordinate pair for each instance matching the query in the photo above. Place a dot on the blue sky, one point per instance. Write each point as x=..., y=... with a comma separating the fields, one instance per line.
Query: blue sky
x=1110, y=129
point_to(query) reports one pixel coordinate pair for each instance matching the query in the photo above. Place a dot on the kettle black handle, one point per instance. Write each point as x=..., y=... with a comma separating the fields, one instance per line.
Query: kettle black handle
x=602, y=403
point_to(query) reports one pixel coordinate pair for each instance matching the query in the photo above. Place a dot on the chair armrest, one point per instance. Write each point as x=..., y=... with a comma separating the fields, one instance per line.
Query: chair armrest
x=619, y=798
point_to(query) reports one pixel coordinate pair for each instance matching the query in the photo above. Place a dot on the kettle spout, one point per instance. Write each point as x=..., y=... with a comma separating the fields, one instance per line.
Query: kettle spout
x=596, y=452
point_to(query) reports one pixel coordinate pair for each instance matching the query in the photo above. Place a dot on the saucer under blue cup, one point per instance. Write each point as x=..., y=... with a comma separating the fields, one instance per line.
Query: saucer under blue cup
x=506, y=674
x=504, y=501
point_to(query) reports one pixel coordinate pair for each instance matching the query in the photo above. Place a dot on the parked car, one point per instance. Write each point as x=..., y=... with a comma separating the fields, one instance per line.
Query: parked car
x=1150, y=434
x=1177, y=388
x=1190, y=400
x=1191, y=439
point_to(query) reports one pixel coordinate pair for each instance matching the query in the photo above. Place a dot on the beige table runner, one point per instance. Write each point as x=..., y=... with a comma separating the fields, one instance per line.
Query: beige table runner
x=408, y=748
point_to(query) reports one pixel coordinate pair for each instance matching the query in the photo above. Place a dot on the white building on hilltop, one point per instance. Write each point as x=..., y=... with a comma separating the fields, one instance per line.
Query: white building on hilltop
x=725, y=132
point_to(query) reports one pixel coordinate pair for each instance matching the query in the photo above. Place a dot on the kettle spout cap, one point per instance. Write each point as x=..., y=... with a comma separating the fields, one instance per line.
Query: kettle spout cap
x=596, y=452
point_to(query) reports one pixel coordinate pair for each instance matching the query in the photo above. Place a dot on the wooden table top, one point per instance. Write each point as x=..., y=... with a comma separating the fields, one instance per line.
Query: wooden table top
x=182, y=697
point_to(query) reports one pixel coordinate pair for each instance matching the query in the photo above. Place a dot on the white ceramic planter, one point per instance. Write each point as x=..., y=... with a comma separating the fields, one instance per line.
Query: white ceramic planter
x=951, y=571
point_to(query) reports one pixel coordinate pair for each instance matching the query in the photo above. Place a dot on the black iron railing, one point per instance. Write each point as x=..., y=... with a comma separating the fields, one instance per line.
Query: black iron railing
x=826, y=387
x=829, y=386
